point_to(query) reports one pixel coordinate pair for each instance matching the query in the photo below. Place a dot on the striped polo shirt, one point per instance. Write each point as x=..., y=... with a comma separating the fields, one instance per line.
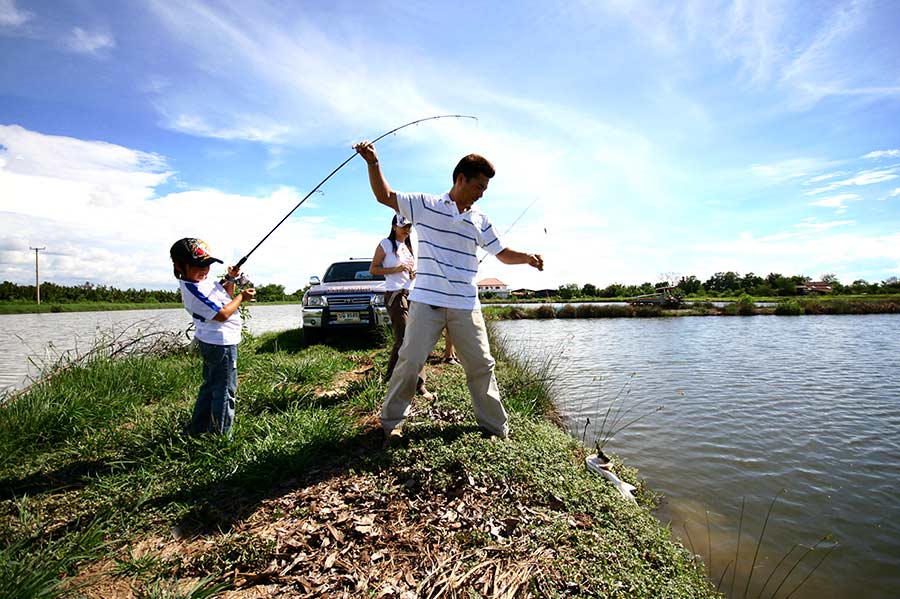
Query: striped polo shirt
x=203, y=300
x=448, y=264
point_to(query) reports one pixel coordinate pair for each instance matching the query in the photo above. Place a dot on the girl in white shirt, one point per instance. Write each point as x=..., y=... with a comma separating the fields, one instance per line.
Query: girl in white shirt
x=395, y=260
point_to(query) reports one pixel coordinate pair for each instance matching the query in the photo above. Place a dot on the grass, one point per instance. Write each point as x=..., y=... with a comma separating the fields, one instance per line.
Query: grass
x=100, y=496
x=17, y=307
x=45, y=307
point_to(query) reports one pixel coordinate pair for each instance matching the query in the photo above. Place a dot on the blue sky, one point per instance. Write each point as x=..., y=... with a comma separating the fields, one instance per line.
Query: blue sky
x=649, y=138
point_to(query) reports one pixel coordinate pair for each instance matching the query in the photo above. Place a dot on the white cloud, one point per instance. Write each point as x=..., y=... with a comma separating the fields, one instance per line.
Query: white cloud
x=883, y=154
x=809, y=226
x=94, y=206
x=824, y=177
x=89, y=42
x=11, y=15
x=809, y=250
x=787, y=170
x=895, y=193
x=837, y=201
x=862, y=178
x=249, y=128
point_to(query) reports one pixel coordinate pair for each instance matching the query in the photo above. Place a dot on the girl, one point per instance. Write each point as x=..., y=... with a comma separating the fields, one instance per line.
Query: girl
x=394, y=259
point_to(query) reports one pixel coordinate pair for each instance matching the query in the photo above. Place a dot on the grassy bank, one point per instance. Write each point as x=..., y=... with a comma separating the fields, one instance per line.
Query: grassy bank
x=746, y=306
x=32, y=308
x=102, y=497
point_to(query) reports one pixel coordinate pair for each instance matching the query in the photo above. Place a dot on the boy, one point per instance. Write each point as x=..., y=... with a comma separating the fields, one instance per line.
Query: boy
x=217, y=326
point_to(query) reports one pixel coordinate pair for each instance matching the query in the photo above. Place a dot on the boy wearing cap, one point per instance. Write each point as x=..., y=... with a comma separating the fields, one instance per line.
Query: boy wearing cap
x=217, y=329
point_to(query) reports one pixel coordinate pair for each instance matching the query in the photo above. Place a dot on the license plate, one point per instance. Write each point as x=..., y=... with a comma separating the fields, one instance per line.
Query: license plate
x=347, y=317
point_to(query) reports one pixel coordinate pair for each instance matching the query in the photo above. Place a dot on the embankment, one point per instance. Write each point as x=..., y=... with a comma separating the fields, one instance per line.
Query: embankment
x=101, y=493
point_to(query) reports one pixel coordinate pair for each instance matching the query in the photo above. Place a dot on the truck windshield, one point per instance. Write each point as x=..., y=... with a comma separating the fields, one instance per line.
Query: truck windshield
x=350, y=271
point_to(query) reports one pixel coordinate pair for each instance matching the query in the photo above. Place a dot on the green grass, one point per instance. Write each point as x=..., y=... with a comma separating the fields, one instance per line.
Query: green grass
x=44, y=307
x=100, y=489
x=10, y=307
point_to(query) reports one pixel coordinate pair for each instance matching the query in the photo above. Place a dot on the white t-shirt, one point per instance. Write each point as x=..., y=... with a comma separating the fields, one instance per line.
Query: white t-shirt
x=447, y=262
x=397, y=280
x=203, y=300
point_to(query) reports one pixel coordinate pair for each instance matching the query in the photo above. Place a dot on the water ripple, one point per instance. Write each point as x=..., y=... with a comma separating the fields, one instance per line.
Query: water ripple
x=750, y=407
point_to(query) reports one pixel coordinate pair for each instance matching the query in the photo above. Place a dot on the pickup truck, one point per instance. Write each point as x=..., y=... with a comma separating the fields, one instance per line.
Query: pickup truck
x=347, y=297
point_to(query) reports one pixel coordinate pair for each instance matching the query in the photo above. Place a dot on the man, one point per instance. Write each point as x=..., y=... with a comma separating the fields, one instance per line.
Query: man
x=445, y=295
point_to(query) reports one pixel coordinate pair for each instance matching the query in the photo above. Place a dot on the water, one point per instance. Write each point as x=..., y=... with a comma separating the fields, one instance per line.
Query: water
x=750, y=406
x=29, y=340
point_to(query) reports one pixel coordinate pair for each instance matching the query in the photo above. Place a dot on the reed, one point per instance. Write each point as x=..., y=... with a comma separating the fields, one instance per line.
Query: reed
x=788, y=571
x=620, y=414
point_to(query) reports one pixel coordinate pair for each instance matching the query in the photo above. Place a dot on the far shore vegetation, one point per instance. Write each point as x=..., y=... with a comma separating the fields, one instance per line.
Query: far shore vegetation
x=721, y=287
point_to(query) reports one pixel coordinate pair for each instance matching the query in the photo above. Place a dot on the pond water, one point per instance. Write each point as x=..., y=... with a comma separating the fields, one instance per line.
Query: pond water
x=750, y=407
x=29, y=340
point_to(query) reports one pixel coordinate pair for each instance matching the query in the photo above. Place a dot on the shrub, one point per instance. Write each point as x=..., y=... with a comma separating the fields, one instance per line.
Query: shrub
x=789, y=307
x=544, y=311
x=744, y=306
x=514, y=313
x=567, y=311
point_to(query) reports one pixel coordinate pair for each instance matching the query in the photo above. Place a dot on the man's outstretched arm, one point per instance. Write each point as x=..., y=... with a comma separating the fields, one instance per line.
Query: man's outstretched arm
x=383, y=192
x=508, y=256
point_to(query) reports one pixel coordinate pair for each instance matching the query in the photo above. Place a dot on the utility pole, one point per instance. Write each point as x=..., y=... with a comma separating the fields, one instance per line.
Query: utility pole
x=37, y=277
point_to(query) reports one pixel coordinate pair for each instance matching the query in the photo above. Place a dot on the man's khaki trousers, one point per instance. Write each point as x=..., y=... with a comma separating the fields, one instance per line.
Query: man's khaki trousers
x=469, y=334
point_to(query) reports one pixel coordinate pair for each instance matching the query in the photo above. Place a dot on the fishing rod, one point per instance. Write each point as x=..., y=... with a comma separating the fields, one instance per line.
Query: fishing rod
x=322, y=182
x=518, y=218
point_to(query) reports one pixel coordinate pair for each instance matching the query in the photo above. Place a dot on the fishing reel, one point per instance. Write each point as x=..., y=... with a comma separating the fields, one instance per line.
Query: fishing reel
x=241, y=281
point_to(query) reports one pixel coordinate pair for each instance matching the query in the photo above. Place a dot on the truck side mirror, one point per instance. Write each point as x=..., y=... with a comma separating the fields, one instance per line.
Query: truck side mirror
x=314, y=280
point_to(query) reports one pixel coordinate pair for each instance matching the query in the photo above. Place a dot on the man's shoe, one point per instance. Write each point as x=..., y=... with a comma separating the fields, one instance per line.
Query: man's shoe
x=393, y=438
x=426, y=395
x=487, y=434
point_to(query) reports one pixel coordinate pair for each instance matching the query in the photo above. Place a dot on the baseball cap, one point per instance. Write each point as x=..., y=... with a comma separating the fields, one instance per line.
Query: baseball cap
x=402, y=221
x=192, y=251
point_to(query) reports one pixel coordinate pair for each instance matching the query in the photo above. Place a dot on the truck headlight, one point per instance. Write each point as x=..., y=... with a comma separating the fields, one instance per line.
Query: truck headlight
x=378, y=299
x=313, y=301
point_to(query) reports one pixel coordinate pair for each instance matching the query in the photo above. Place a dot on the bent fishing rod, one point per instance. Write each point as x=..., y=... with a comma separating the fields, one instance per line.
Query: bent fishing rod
x=340, y=166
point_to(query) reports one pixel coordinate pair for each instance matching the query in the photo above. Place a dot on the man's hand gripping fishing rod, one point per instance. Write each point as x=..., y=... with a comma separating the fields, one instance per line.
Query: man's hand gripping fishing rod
x=340, y=166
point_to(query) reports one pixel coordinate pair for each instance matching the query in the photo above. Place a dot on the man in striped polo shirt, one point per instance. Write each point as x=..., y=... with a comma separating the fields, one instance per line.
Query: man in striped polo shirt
x=449, y=229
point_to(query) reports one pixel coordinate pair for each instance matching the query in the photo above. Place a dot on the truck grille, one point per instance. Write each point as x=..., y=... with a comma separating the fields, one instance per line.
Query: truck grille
x=347, y=300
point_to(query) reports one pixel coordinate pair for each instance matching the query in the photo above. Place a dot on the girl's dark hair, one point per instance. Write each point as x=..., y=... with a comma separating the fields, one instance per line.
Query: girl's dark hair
x=393, y=236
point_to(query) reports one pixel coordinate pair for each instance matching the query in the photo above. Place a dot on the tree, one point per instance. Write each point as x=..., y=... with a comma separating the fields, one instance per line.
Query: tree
x=568, y=291
x=589, y=290
x=690, y=285
x=614, y=290
x=723, y=281
x=270, y=293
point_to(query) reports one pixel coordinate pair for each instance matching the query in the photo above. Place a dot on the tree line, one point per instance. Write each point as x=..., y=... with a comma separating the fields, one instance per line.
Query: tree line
x=89, y=292
x=721, y=284
x=730, y=284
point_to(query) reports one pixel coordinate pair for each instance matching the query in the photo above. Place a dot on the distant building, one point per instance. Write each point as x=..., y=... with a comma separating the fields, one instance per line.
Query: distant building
x=495, y=286
x=814, y=288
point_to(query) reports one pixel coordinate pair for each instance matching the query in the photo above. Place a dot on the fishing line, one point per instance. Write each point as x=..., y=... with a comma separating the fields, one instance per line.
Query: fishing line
x=332, y=173
x=518, y=218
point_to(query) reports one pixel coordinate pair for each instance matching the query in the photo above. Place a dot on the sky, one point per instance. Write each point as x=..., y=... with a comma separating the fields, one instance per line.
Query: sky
x=633, y=141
